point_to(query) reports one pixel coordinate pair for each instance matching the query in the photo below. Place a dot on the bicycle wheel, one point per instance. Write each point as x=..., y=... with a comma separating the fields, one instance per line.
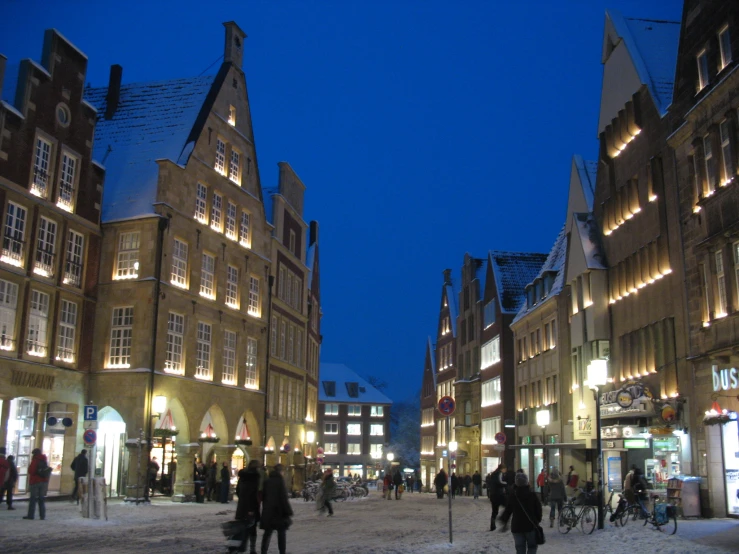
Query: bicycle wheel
x=588, y=520
x=669, y=528
x=567, y=520
x=624, y=517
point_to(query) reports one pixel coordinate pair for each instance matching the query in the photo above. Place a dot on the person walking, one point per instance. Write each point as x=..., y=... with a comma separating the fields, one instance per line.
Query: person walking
x=210, y=484
x=80, y=467
x=497, y=492
x=572, y=479
x=629, y=484
x=440, y=482
x=557, y=495
x=468, y=485
x=38, y=473
x=387, y=485
x=524, y=507
x=247, y=508
x=153, y=470
x=328, y=487
x=4, y=472
x=454, y=484
x=276, y=510
x=541, y=482
x=398, y=483
x=476, y=484
x=7, y=485
x=225, y=484
x=411, y=482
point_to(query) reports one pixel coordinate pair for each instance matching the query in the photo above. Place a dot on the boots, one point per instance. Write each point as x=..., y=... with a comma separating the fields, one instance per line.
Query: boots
x=492, y=524
x=252, y=544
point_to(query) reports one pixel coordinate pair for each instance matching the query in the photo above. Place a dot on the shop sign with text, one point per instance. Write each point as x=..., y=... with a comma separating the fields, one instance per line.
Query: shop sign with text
x=724, y=379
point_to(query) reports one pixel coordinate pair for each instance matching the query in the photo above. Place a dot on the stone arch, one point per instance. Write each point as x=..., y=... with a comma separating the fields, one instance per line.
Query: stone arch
x=214, y=416
x=271, y=443
x=255, y=433
x=179, y=417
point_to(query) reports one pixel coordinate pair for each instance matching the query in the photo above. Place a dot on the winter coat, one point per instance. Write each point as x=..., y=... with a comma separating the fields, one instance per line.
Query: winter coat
x=522, y=498
x=34, y=476
x=80, y=466
x=386, y=482
x=397, y=479
x=4, y=468
x=455, y=481
x=329, y=487
x=556, y=489
x=212, y=473
x=572, y=479
x=477, y=479
x=276, y=509
x=225, y=475
x=249, y=496
x=497, y=485
x=440, y=480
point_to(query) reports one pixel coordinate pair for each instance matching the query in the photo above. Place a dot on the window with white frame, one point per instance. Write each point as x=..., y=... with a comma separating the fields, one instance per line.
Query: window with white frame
x=38, y=321
x=353, y=448
x=254, y=296
x=490, y=352
x=726, y=155
x=120, y=337
x=354, y=410
x=201, y=204
x=128, y=256
x=331, y=409
x=376, y=411
x=702, y=60
x=490, y=426
x=40, y=185
x=273, y=337
x=491, y=392
x=721, y=282
x=724, y=41
x=207, y=276
x=232, y=287
x=489, y=313
x=216, y=213
x=377, y=429
x=234, y=172
x=331, y=448
x=202, y=351
x=376, y=451
x=220, y=164
x=73, y=263
x=66, y=182
x=45, y=246
x=175, y=340
x=67, y=331
x=331, y=428
x=229, y=358
x=15, y=229
x=244, y=239
x=353, y=428
x=179, y=264
x=8, y=306
x=231, y=220
x=251, y=363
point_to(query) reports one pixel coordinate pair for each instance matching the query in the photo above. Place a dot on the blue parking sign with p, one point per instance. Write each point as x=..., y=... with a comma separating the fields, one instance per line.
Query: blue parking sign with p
x=91, y=413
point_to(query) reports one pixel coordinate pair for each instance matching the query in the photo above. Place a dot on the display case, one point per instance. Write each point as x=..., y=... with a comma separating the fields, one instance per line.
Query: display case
x=683, y=491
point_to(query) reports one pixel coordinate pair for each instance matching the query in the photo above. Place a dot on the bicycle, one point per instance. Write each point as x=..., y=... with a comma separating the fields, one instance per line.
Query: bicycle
x=662, y=516
x=570, y=516
x=608, y=510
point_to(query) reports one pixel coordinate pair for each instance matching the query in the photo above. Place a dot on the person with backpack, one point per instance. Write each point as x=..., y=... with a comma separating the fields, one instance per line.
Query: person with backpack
x=80, y=468
x=38, y=473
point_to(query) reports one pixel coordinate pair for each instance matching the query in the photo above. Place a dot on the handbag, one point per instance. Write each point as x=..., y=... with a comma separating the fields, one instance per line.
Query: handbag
x=540, y=538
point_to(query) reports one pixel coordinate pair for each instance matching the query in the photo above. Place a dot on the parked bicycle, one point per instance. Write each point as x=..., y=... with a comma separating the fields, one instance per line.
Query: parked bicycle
x=584, y=514
x=663, y=516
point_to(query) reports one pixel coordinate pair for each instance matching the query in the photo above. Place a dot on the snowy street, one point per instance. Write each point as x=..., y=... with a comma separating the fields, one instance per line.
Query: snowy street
x=416, y=523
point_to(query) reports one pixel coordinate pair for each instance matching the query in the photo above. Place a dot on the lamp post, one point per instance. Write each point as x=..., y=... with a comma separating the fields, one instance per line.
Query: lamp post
x=542, y=420
x=598, y=377
x=452, y=457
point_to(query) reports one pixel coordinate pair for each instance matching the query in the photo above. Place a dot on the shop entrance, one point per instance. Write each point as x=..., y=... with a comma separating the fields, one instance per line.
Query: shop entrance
x=20, y=439
x=110, y=450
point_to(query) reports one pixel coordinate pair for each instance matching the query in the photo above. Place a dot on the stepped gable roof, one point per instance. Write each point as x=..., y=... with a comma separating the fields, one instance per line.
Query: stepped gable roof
x=451, y=295
x=587, y=229
x=587, y=171
x=341, y=376
x=153, y=121
x=653, y=48
x=512, y=272
x=555, y=262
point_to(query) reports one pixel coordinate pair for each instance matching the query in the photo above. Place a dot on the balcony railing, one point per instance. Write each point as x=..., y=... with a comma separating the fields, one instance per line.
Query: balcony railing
x=72, y=273
x=66, y=197
x=6, y=343
x=65, y=354
x=36, y=348
x=12, y=251
x=40, y=181
x=44, y=265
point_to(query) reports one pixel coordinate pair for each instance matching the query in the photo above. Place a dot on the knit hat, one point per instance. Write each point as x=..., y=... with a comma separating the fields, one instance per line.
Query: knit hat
x=522, y=480
x=555, y=473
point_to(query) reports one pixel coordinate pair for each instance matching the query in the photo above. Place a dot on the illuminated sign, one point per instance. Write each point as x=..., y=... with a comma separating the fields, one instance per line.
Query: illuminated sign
x=724, y=379
x=636, y=443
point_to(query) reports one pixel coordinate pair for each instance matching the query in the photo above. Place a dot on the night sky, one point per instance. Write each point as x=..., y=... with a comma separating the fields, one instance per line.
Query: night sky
x=421, y=129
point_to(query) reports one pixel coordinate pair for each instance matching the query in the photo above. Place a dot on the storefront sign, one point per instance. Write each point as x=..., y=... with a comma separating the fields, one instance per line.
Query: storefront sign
x=636, y=443
x=724, y=379
x=35, y=380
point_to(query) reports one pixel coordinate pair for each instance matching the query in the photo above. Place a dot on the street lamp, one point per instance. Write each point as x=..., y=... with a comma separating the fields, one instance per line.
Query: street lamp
x=390, y=457
x=158, y=406
x=453, y=446
x=311, y=436
x=598, y=377
x=542, y=420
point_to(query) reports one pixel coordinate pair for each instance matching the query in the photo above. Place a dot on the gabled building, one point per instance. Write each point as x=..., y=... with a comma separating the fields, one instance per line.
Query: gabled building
x=507, y=274
x=51, y=188
x=353, y=423
x=429, y=468
x=313, y=354
x=181, y=335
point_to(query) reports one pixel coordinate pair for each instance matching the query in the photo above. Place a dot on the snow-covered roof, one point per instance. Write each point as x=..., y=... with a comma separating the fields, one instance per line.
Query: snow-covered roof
x=587, y=171
x=587, y=229
x=653, y=48
x=153, y=121
x=341, y=375
x=451, y=296
x=512, y=272
x=555, y=262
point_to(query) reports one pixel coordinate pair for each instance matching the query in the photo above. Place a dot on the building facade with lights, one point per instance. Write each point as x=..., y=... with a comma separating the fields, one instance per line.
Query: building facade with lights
x=50, y=192
x=705, y=141
x=428, y=418
x=353, y=424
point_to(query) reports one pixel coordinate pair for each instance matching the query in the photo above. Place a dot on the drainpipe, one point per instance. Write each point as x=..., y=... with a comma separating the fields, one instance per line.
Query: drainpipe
x=270, y=284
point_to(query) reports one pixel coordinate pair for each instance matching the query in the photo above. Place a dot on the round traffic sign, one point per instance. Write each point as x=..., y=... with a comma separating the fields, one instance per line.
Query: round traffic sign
x=500, y=437
x=447, y=405
x=90, y=436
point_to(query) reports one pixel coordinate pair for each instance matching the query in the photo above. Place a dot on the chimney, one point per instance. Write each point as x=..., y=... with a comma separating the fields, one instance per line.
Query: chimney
x=114, y=90
x=234, y=50
x=313, y=233
x=447, y=276
x=3, y=59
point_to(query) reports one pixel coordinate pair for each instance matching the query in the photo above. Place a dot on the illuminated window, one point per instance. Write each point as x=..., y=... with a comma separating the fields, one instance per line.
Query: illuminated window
x=232, y=115
x=175, y=340
x=73, y=263
x=231, y=220
x=353, y=428
x=376, y=450
x=376, y=411
x=331, y=428
x=726, y=154
x=66, y=182
x=490, y=427
x=67, y=330
x=207, y=273
x=216, y=210
x=710, y=161
x=354, y=410
x=8, y=304
x=232, y=287
x=179, y=264
x=491, y=392
x=15, y=229
x=45, y=246
x=38, y=322
x=220, y=164
x=377, y=429
x=202, y=351
x=330, y=447
x=120, y=337
x=331, y=409
x=721, y=282
x=201, y=201
x=128, y=256
x=234, y=172
x=251, y=363
x=40, y=185
x=724, y=41
x=244, y=238
x=254, y=296
x=353, y=448
x=702, y=60
x=229, y=357
x=490, y=352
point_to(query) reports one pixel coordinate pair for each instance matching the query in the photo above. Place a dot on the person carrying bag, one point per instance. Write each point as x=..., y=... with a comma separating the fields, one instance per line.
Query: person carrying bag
x=525, y=507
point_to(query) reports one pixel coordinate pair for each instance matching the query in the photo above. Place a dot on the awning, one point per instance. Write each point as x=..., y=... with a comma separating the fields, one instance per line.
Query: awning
x=549, y=445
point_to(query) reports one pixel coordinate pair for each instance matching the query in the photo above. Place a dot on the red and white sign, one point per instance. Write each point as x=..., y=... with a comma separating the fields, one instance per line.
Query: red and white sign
x=447, y=405
x=500, y=437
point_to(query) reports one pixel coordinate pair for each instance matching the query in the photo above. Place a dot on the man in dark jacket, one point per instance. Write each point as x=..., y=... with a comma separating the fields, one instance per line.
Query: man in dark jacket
x=440, y=482
x=247, y=509
x=524, y=506
x=476, y=484
x=276, y=510
x=10, y=481
x=80, y=468
x=497, y=492
x=397, y=481
x=225, y=484
x=210, y=484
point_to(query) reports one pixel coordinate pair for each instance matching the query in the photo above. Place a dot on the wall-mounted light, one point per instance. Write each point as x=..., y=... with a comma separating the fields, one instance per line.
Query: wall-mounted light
x=311, y=436
x=159, y=405
x=542, y=418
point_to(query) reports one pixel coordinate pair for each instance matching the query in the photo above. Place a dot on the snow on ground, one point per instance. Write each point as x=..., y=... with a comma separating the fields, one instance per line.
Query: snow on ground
x=416, y=523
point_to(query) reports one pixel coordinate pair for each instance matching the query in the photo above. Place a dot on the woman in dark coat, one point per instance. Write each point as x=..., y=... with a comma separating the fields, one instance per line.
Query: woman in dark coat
x=247, y=508
x=276, y=510
x=525, y=507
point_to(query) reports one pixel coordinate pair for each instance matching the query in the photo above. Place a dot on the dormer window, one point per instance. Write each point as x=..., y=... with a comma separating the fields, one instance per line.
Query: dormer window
x=724, y=41
x=702, y=60
x=329, y=387
x=530, y=296
x=352, y=389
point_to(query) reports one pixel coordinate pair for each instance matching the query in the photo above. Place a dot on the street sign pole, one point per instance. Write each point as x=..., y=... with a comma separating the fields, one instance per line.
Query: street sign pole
x=449, y=474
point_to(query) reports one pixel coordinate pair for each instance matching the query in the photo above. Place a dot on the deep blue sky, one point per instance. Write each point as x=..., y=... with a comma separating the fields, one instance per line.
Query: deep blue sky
x=422, y=130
